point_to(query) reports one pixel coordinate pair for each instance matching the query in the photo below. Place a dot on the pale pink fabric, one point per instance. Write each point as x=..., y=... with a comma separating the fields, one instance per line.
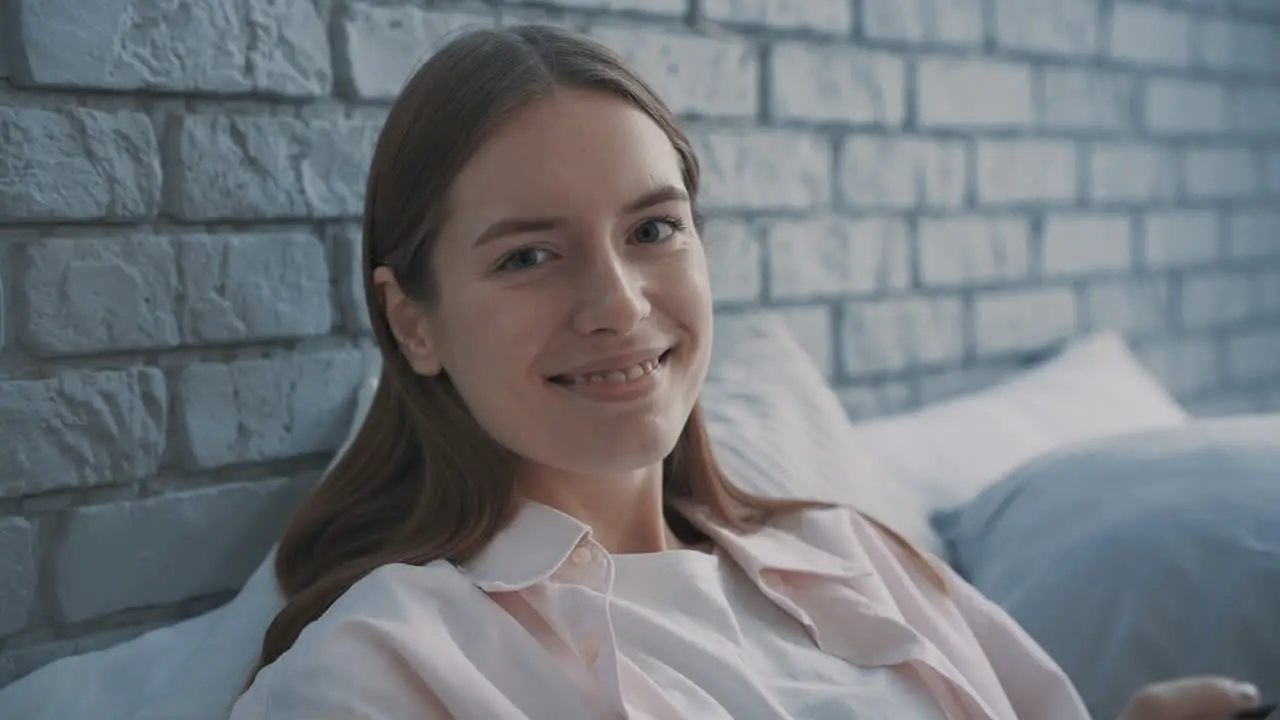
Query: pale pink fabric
x=523, y=630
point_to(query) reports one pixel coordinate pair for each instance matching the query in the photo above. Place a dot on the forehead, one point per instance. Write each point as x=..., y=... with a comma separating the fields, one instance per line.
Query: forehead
x=576, y=150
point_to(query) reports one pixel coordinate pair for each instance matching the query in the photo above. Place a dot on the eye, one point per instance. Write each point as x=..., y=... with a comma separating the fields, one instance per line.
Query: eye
x=523, y=259
x=652, y=232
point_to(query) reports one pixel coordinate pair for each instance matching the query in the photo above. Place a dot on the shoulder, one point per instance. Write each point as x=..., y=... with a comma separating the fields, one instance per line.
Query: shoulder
x=391, y=600
x=396, y=601
x=349, y=659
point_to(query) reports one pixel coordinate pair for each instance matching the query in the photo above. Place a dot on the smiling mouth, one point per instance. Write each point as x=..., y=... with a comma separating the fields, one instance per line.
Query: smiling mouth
x=618, y=376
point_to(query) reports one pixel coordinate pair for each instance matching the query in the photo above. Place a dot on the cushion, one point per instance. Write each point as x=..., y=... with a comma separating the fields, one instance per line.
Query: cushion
x=950, y=451
x=779, y=429
x=192, y=670
x=1138, y=558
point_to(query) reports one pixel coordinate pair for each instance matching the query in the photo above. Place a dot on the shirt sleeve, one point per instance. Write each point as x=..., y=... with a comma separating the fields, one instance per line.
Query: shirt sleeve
x=352, y=676
x=1036, y=687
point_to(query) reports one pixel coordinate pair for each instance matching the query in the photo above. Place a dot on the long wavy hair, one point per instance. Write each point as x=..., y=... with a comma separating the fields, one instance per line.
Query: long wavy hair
x=422, y=480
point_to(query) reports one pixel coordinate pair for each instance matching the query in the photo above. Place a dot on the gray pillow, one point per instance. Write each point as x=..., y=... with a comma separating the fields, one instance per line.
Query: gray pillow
x=1138, y=558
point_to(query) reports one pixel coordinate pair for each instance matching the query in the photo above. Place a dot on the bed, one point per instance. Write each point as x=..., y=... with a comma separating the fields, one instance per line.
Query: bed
x=779, y=429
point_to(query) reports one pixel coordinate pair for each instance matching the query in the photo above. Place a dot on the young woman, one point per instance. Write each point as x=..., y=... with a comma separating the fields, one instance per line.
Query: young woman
x=531, y=522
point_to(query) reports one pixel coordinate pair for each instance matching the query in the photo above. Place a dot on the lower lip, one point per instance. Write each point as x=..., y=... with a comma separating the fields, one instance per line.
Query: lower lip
x=619, y=391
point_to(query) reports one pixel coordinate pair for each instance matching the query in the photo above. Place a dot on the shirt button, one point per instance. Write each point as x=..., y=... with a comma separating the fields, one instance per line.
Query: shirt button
x=581, y=556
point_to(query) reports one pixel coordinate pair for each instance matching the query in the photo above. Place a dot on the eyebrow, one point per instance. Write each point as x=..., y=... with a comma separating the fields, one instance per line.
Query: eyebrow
x=516, y=226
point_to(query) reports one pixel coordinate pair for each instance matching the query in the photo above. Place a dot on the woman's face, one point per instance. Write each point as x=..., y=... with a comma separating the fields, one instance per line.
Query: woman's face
x=574, y=312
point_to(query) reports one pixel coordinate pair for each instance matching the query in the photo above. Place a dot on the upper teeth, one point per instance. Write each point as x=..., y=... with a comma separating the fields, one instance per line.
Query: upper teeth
x=644, y=367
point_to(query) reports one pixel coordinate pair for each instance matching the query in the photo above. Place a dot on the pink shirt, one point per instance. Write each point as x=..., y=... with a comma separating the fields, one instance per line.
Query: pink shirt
x=523, y=631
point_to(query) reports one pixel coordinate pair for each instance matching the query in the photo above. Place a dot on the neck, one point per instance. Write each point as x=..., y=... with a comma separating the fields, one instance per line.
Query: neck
x=625, y=512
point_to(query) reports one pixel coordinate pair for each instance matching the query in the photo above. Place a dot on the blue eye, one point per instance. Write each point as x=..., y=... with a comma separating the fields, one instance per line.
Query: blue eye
x=523, y=259
x=652, y=232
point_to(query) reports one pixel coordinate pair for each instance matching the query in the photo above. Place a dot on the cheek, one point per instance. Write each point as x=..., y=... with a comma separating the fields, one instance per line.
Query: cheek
x=485, y=340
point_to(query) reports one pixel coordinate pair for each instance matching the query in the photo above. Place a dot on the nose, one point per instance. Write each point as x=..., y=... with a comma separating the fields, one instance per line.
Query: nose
x=611, y=296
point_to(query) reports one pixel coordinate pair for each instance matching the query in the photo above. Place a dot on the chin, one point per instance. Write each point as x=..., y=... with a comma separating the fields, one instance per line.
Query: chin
x=616, y=453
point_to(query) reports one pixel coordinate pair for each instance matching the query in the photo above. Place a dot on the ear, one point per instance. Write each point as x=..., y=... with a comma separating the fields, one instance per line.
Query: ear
x=408, y=321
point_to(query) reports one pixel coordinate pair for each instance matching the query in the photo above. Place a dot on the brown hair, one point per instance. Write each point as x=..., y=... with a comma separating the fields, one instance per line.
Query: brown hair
x=422, y=480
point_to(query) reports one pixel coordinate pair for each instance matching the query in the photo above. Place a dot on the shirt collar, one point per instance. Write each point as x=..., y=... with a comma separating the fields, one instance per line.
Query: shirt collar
x=528, y=550
x=815, y=542
x=540, y=539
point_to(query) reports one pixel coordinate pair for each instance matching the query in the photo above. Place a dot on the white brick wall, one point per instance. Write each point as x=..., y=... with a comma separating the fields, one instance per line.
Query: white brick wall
x=927, y=190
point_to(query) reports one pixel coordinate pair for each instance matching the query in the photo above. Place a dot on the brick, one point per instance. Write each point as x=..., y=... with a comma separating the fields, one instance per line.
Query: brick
x=1265, y=284
x=940, y=22
x=113, y=157
x=1056, y=27
x=836, y=84
x=864, y=402
x=1251, y=354
x=812, y=326
x=1025, y=171
x=830, y=17
x=1135, y=306
x=1180, y=106
x=1220, y=172
x=1215, y=297
x=1179, y=238
x=1254, y=234
x=960, y=251
x=813, y=258
x=377, y=48
x=347, y=246
x=1011, y=321
x=901, y=172
x=1256, y=109
x=900, y=335
x=17, y=574
x=763, y=169
x=651, y=7
x=81, y=429
x=1187, y=366
x=1086, y=99
x=1129, y=172
x=972, y=93
x=137, y=292
x=1085, y=244
x=1150, y=35
x=1231, y=45
x=172, y=548
x=100, y=294
x=225, y=167
x=219, y=46
x=695, y=75
x=262, y=409
x=259, y=286
x=733, y=260
x=1263, y=8
x=1224, y=403
x=1272, y=171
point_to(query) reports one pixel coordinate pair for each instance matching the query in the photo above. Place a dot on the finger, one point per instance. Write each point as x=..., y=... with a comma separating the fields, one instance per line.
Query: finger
x=1200, y=698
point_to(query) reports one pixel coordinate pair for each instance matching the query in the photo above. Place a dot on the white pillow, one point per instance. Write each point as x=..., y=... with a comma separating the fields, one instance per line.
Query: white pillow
x=192, y=670
x=949, y=452
x=780, y=430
